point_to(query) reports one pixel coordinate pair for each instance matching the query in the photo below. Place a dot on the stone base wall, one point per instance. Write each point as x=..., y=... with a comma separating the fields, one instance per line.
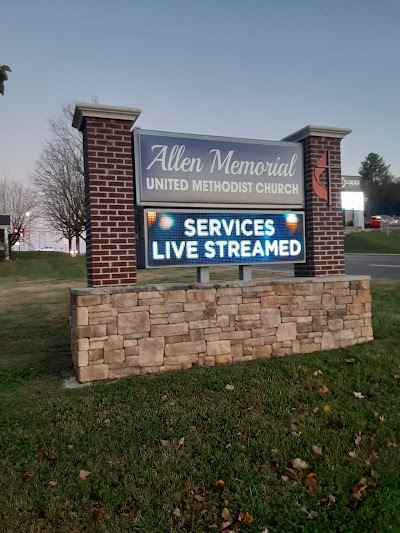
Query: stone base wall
x=130, y=331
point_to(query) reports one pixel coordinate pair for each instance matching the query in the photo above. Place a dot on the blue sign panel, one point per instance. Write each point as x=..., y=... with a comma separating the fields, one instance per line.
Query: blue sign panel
x=199, y=238
x=197, y=171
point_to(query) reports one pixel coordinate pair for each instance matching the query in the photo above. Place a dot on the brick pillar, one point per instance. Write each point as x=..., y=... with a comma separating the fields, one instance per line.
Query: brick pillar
x=109, y=193
x=323, y=206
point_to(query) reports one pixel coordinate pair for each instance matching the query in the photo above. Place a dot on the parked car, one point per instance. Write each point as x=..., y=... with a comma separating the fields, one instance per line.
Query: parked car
x=47, y=249
x=373, y=221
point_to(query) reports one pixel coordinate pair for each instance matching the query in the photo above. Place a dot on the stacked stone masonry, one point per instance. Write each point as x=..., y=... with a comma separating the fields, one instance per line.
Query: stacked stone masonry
x=130, y=331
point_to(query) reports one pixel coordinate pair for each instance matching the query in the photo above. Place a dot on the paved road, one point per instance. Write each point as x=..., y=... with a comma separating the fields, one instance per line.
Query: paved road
x=384, y=266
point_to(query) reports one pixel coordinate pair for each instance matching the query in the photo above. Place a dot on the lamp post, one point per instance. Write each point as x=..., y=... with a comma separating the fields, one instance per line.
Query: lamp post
x=28, y=214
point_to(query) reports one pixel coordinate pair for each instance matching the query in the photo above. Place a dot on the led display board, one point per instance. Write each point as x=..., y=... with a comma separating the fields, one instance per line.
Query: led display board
x=202, y=238
x=192, y=171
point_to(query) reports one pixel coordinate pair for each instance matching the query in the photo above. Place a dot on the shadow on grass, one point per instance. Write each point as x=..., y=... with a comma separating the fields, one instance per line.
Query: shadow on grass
x=35, y=335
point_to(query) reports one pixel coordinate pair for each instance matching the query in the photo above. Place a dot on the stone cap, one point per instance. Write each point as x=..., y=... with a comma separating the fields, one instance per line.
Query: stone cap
x=83, y=110
x=317, y=131
x=214, y=285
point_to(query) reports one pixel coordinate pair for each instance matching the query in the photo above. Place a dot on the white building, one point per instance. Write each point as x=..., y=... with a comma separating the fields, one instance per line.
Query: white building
x=352, y=201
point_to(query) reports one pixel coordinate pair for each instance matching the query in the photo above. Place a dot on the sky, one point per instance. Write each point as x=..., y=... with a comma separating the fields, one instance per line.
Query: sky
x=258, y=69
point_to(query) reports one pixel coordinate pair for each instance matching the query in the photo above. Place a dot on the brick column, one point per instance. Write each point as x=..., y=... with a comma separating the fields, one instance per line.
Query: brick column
x=323, y=206
x=109, y=193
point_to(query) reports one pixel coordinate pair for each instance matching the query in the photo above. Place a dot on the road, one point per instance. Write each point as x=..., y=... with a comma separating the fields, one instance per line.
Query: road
x=384, y=266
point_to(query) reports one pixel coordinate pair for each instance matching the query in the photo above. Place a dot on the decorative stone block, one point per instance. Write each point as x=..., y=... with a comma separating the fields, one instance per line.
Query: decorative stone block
x=116, y=356
x=218, y=347
x=82, y=358
x=83, y=344
x=190, y=347
x=124, y=372
x=169, y=329
x=270, y=318
x=129, y=323
x=92, y=373
x=151, y=351
x=88, y=299
x=286, y=331
x=114, y=342
x=82, y=316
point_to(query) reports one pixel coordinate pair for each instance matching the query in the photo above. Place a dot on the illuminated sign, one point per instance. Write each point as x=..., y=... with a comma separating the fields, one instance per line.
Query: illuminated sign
x=199, y=171
x=351, y=183
x=199, y=238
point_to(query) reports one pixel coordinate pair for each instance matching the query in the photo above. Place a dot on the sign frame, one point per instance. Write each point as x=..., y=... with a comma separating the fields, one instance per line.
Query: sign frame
x=136, y=132
x=143, y=246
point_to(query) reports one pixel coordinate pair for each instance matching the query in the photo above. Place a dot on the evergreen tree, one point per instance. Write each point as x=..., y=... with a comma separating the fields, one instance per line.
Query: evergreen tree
x=3, y=76
x=376, y=177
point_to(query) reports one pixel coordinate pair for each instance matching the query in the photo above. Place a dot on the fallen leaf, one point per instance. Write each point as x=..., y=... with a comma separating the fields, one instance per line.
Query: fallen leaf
x=248, y=518
x=219, y=483
x=375, y=386
x=274, y=451
x=382, y=418
x=357, y=490
x=317, y=450
x=40, y=455
x=350, y=361
x=358, y=395
x=164, y=443
x=192, y=428
x=326, y=408
x=224, y=525
x=229, y=445
x=177, y=512
x=311, y=480
x=107, y=422
x=310, y=514
x=397, y=376
x=353, y=455
x=229, y=387
x=374, y=474
x=83, y=474
x=97, y=513
x=392, y=445
x=29, y=473
x=299, y=464
x=285, y=479
x=331, y=498
x=199, y=498
x=315, y=410
x=226, y=515
x=317, y=373
x=292, y=473
x=266, y=530
x=70, y=446
x=53, y=483
x=181, y=441
x=164, y=398
x=323, y=389
x=357, y=440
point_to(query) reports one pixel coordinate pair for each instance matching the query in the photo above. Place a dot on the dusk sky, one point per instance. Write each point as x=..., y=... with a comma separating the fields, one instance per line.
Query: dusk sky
x=256, y=69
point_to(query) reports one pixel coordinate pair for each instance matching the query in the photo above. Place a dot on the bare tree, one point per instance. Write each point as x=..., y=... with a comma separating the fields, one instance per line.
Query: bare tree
x=21, y=203
x=59, y=176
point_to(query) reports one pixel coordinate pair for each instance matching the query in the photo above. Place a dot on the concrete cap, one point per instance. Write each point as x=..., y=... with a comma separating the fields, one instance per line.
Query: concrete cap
x=103, y=111
x=317, y=131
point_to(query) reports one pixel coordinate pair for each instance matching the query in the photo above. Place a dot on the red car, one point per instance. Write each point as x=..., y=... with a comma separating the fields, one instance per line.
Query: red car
x=373, y=222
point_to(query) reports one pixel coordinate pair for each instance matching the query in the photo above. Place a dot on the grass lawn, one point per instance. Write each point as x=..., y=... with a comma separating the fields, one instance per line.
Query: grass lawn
x=181, y=452
x=373, y=241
